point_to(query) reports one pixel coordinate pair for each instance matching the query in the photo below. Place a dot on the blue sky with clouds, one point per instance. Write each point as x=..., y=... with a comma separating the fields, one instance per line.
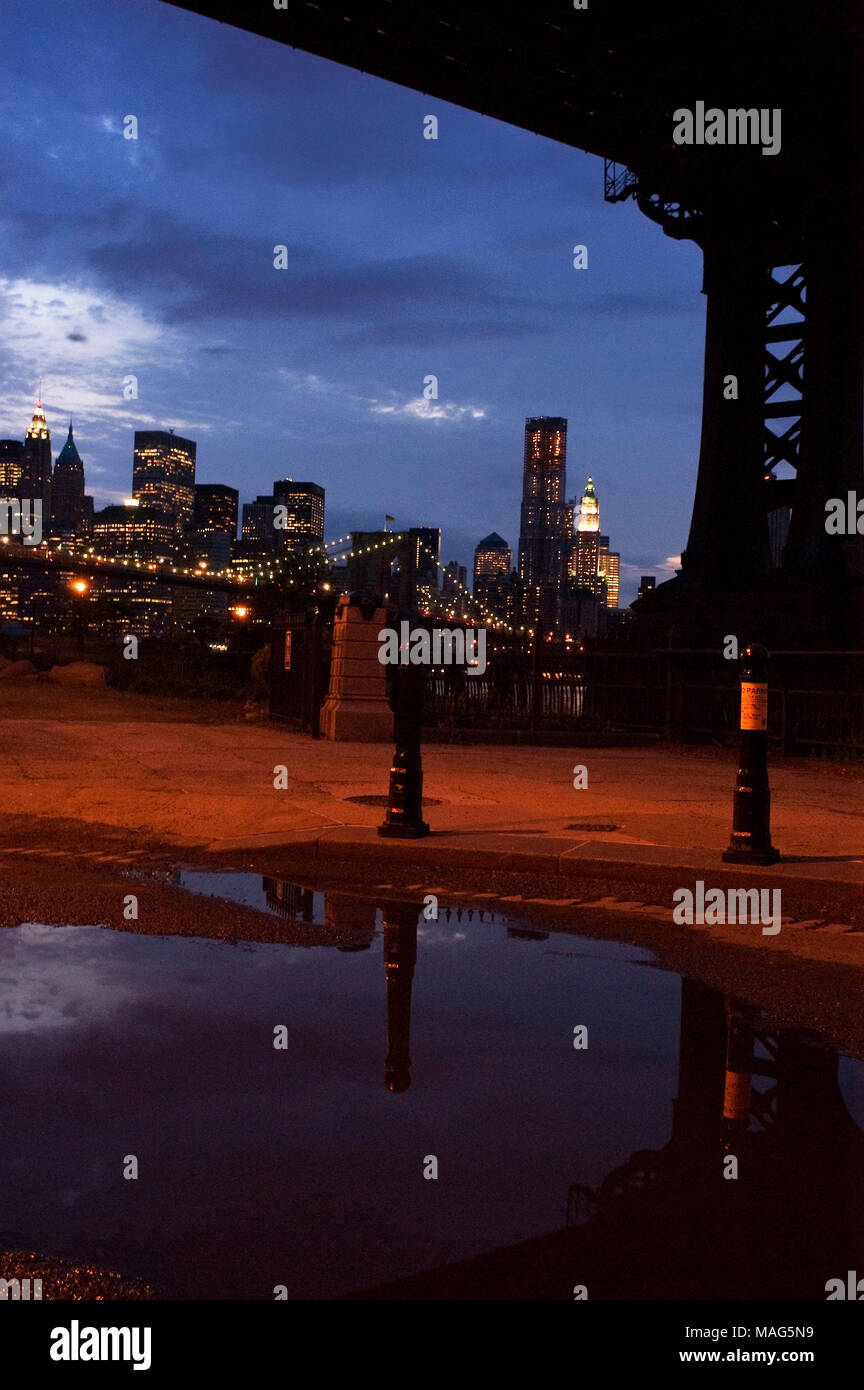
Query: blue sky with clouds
x=406, y=257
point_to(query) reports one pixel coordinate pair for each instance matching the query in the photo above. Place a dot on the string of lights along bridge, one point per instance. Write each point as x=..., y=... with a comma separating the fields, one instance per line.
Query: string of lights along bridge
x=179, y=534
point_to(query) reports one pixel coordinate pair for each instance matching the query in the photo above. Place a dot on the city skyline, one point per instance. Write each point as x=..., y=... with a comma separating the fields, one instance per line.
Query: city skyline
x=406, y=258
x=171, y=496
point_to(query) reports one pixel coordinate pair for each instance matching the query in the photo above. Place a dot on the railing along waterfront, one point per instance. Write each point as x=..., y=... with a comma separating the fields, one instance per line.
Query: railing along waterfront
x=816, y=699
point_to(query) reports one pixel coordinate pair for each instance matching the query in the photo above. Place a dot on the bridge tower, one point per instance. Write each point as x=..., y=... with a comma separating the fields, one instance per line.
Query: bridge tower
x=782, y=238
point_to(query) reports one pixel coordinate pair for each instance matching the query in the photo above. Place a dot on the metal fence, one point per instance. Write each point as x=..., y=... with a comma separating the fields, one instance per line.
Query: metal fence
x=815, y=703
x=815, y=700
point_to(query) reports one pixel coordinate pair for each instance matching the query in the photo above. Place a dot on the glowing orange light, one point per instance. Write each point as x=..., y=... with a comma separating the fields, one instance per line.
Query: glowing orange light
x=80, y=586
x=240, y=612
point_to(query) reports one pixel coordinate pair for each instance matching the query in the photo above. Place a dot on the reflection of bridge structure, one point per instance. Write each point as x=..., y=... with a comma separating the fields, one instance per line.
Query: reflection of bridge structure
x=668, y=1224
x=781, y=233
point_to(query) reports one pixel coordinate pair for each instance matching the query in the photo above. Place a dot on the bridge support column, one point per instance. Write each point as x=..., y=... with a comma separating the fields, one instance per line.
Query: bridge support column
x=728, y=541
x=830, y=451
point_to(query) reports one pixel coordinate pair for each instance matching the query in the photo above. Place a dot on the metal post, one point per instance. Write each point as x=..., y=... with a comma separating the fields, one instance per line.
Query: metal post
x=751, y=803
x=536, y=683
x=404, y=818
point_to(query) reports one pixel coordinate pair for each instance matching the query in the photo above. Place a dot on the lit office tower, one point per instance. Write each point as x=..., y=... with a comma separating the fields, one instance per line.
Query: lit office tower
x=492, y=557
x=215, y=509
x=301, y=525
x=67, y=490
x=584, y=562
x=608, y=562
x=258, y=534
x=543, y=529
x=589, y=509
x=163, y=474
x=11, y=466
x=36, y=472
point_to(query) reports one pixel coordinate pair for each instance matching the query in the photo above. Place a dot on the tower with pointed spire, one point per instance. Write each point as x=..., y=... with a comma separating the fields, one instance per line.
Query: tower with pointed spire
x=589, y=509
x=592, y=565
x=67, y=492
x=36, y=470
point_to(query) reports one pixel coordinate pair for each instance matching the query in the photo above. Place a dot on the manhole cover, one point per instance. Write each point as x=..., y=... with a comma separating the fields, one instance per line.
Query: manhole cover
x=589, y=825
x=385, y=800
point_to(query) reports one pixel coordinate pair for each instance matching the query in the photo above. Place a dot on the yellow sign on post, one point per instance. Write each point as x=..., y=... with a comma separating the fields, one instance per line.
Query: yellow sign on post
x=754, y=705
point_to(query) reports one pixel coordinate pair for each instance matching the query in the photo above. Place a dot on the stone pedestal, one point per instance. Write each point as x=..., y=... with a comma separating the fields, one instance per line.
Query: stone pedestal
x=356, y=708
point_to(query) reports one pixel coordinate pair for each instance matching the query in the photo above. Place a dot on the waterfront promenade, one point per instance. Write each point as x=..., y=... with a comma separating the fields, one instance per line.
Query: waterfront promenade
x=86, y=765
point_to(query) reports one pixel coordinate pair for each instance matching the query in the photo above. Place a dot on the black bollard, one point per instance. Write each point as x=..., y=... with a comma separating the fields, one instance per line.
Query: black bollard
x=404, y=818
x=751, y=802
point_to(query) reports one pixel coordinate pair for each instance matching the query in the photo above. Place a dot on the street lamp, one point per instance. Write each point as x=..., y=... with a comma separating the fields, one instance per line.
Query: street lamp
x=80, y=587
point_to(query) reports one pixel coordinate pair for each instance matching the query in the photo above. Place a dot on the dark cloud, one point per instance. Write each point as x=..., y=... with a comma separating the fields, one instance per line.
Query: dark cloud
x=192, y=275
x=422, y=334
x=76, y=338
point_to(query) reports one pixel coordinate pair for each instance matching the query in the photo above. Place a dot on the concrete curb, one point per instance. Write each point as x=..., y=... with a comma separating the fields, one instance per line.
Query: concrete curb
x=560, y=858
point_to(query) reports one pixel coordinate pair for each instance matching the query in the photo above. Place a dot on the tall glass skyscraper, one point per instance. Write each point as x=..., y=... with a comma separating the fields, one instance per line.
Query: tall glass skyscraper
x=545, y=521
x=543, y=529
x=163, y=474
x=36, y=472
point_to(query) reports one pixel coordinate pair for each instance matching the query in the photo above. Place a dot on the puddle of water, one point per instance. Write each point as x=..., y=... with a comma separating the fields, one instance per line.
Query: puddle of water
x=303, y=1166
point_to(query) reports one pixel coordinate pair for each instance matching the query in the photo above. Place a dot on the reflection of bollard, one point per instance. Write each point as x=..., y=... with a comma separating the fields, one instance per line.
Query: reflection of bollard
x=404, y=818
x=738, y=1088
x=751, y=803
x=400, y=957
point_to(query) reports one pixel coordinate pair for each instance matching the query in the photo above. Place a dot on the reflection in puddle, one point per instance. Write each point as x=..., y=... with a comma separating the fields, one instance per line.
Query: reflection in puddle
x=260, y=1165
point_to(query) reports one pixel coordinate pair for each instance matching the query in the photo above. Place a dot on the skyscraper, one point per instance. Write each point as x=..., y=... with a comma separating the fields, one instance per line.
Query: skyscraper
x=36, y=472
x=11, y=466
x=215, y=509
x=370, y=563
x=492, y=556
x=589, y=509
x=584, y=562
x=290, y=518
x=543, y=528
x=163, y=474
x=144, y=532
x=608, y=562
x=647, y=584
x=258, y=535
x=304, y=513
x=67, y=490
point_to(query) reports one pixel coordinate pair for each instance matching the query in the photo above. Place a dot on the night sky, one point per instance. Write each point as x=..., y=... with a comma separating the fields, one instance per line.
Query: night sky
x=407, y=257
